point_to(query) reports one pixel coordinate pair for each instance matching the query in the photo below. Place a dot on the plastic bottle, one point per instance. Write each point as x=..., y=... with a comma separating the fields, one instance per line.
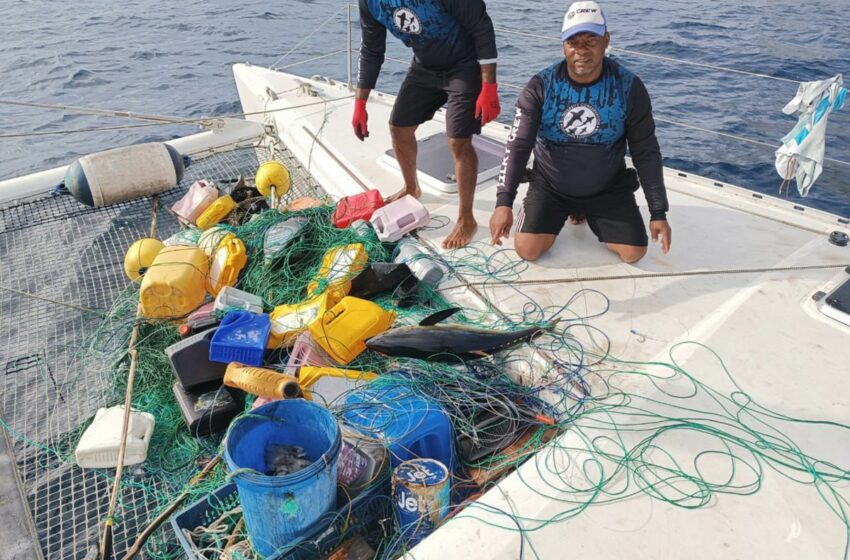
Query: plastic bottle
x=421, y=265
x=279, y=236
x=216, y=212
x=198, y=198
x=343, y=330
x=228, y=261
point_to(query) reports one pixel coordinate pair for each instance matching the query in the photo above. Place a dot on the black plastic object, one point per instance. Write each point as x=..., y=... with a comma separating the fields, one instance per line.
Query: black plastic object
x=210, y=412
x=383, y=277
x=839, y=238
x=495, y=428
x=840, y=298
x=190, y=359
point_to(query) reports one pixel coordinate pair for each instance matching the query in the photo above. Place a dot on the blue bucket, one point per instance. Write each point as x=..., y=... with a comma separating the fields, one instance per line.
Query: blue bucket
x=278, y=509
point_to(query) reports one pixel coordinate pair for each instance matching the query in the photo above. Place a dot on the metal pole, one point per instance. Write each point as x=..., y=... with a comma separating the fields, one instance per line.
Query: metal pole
x=349, y=45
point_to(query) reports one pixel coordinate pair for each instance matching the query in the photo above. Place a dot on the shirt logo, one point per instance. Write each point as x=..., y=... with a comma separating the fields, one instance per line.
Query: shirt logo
x=580, y=120
x=407, y=21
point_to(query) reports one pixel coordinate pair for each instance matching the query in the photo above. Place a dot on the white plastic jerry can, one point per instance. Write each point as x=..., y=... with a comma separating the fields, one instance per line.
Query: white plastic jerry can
x=398, y=218
x=99, y=445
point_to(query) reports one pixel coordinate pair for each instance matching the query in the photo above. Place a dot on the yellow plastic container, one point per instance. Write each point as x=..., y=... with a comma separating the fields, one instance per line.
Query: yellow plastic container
x=262, y=382
x=227, y=262
x=288, y=321
x=340, y=266
x=343, y=330
x=216, y=212
x=210, y=239
x=175, y=284
x=324, y=384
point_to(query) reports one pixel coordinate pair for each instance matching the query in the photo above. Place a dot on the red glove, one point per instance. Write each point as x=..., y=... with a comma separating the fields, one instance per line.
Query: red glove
x=361, y=129
x=487, y=107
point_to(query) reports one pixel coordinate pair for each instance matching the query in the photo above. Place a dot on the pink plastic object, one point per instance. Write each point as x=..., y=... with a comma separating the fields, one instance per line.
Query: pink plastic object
x=307, y=352
x=260, y=401
x=199, y=196
x=395, y=220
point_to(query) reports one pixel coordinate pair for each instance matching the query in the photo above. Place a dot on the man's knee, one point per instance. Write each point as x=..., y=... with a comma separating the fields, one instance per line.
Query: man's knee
x=531, y=250
x=461, y=147
x=629, y=253
x=402, y=132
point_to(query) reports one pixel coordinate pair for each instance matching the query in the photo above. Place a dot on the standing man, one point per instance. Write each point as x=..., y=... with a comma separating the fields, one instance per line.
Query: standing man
x=454, y=61
x=577, y=116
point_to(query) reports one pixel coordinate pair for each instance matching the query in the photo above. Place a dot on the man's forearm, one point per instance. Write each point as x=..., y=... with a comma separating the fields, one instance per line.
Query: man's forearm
x=362, y=93
x=488, y=73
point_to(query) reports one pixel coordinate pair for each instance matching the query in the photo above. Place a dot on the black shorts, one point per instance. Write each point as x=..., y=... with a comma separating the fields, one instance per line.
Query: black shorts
x=613, y=215
x=424, y=91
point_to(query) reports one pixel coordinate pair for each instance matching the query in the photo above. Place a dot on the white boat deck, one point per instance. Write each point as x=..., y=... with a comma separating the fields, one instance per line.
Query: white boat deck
x=764, y=325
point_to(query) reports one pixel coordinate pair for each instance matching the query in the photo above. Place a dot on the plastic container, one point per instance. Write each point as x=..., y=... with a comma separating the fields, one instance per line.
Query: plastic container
x=411, y=426
x=363, y=229
x=326, y=384
x=398, y=218
x=190, y=359
x=126, y=173
x=342, y=331
x=187, y=237
x=279, y=236
x=175, y=284
x=98, y=447
x=357, y=207
x=288, y=321
x=278, y=509
x=198, y=198
x=210, y=239
x=307, y=352
x=216, y=212
x=241, y=337
x=358, y=516
x=421, y=496
x=232, y=299
x=227, y=262
x=262, y=382
x=209, y=412
x=340, y=266
x=421, y=265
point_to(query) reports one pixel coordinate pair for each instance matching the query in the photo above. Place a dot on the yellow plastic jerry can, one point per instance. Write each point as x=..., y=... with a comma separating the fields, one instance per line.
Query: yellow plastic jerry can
x=216, y=212
x=339, y=267
x=343, y=330
x=174, y=285
x=227, y=262
x=288, y=321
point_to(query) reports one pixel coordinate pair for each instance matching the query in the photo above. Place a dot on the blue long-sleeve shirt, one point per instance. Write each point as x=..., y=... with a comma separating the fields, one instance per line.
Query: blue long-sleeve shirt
x=442, y=34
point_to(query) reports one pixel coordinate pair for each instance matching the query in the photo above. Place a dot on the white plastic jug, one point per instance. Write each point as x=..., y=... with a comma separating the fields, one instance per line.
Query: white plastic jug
x=98, y=448
x=395, y=220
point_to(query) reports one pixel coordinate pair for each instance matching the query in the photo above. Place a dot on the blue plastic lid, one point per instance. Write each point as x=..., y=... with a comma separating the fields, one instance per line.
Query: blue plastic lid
x=423, y=472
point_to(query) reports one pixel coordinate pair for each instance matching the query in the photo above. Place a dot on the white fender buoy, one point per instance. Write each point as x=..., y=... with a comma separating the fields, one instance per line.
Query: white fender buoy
x=121, y=174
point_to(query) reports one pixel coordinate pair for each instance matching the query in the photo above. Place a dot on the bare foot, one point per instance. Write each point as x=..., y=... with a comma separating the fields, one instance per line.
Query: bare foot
x=462, y=234
x=577, y=219
x=415, y=192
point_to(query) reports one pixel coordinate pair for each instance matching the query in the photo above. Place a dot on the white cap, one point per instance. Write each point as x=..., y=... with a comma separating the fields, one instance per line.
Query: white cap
x=583, y=17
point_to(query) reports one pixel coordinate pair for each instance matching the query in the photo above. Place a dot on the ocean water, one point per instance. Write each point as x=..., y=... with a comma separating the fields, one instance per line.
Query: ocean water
x=174, y=59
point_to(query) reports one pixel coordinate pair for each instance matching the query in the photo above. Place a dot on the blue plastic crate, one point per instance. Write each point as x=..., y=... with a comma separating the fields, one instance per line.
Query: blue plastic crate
x=359, y=516
x=241, y=337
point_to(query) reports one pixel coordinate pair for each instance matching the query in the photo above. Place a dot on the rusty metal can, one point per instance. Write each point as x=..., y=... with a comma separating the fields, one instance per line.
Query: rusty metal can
x=421, y=497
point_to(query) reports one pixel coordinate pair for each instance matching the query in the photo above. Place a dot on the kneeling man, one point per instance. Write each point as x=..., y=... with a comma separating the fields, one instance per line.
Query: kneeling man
x=578, y=116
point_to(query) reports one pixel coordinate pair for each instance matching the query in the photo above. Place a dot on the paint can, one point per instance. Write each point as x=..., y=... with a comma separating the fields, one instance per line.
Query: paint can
x=421, y=497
